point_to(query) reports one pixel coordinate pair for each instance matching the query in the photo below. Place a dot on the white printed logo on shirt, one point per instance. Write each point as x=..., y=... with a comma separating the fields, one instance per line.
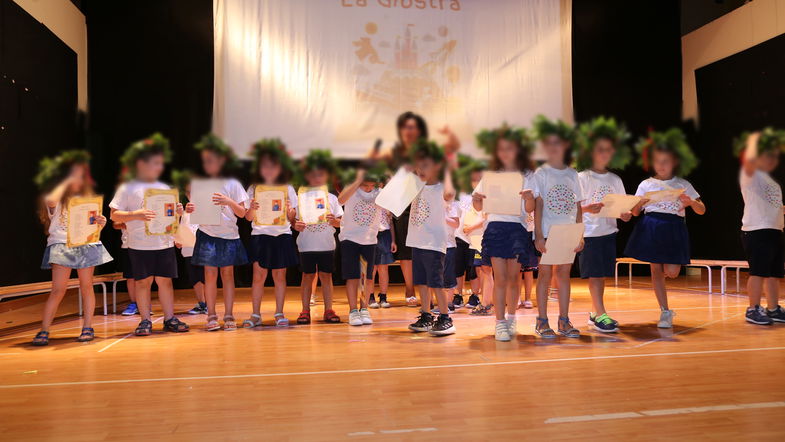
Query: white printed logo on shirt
x=421, y=210
x=560, y=200
x=365, y=212
x=773, y=195
x=600, y=193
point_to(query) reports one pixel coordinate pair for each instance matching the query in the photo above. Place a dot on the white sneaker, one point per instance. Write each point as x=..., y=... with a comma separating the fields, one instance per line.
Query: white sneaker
x=355, y=318
x=374, y=304
x=365, y=317
x=385, y=304
x=502, y=331
x=411, y=301
x=512, y=327
x=528, y=304
x=313, y=298
x=666, y=319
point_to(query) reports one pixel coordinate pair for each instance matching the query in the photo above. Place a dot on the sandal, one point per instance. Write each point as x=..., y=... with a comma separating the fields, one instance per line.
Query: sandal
x=88, y=334
x=280, y=320
x=145, y=328
x=254, y=321
x=543, y=329
x=305, y=317
x=41, y=339
x=568, y=330
x=229, y=323
x=331, y=317
x=175, y=325
x=212, y=323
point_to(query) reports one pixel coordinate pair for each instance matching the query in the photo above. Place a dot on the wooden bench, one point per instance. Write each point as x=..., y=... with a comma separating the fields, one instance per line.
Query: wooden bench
x=708, y=264
x=34, y=288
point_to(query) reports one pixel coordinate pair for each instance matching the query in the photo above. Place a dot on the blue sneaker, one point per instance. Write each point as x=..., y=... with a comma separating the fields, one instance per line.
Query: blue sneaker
x=131, y=310
x=776, y=315
x=757, y=315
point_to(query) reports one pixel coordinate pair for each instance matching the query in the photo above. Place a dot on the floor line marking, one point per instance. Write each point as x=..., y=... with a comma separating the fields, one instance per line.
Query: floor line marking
x=117, y=341
x=686, y=330
x=664, y=412
x=390, y=369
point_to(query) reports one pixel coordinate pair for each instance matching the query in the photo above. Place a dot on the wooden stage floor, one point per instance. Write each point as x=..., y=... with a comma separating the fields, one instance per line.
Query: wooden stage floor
x=712, y=377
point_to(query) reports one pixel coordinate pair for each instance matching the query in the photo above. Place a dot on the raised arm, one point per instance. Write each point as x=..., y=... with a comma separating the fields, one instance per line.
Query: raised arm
x=349, y=190
x=56, y=195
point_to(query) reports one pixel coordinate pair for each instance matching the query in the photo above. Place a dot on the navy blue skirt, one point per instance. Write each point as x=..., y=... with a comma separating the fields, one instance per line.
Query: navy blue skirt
x=218, y=252
x=273, y=252
x=598, y=257
x=384, y=253
x=660, y=238
x=509, y=241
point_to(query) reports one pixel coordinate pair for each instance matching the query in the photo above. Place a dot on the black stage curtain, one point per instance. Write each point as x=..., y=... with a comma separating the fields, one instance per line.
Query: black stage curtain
x=38, y=117
x=738, y=93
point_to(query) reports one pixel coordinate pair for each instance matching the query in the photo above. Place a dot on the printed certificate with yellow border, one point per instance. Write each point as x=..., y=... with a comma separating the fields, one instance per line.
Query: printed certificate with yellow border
x=313, y=205
x=272, y=205
x=164, y=204
x=82, y=220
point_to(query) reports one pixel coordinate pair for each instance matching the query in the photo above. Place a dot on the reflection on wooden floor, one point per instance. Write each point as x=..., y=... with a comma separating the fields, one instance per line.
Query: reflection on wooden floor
x=712, y=377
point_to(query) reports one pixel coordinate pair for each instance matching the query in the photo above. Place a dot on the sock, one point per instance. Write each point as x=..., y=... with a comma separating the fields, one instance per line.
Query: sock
x=444, y=315
x=353, y=310
x=202, y=304
x=509, y=317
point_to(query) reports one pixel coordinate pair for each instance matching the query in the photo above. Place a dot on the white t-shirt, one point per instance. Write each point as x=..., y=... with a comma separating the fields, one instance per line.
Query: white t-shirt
x=595, y=186
x=124, y=238
x=762, y=202
x=452, y=210
x=384, y=220
x=528, y=184
x=185, y=223
x=227, y=229
x=284, y=229
x=673, y=208
x=58, y=231
x=561, y=192
x=464, y=205
x=130, y=197
x=427, y=223
x=360, y=222
x=320, y=237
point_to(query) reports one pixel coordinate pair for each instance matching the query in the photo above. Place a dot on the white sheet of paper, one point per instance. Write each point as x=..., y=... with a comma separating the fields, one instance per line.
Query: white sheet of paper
x=561, y=243
x=471, y=218
x=205, y=212
x=185, y=235
x=82, y=225
x=399, y=192
x=312, y=205
x=615, y=204
x=661, y=196
x=164, y=204
x=502, y=192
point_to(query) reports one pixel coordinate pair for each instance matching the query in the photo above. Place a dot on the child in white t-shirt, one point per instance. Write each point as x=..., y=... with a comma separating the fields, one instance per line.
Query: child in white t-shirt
x=762, y=222
x=465, y=268
x=152, y=257
x=559, y=197
x=218, y=247
x=182, y=180
x=661, y=237
x=601, y=145
x=272, y=248
x=316, y=242
x=385, y=255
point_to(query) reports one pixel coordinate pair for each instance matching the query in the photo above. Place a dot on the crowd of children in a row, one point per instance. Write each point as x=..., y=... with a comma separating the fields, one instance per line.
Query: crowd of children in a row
x=431, y=239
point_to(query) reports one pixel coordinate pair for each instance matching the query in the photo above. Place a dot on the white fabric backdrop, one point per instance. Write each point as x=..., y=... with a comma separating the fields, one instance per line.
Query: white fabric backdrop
x=336, y=73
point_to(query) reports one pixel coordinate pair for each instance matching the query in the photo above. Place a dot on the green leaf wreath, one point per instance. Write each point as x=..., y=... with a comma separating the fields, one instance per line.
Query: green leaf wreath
x=52, y=170
x=463, y=176
x=542, y=127
x=770, y=139
x=487, y=139
x=274, y=148
x=180, y=180
x=214, y=143
x=601, y=127
x=672, y=140
x=155, y=143
x=423, y=148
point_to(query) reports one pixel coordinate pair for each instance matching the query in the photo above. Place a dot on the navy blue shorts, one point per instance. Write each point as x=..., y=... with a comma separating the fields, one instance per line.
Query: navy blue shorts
x=273, y=252
x=598, y=257
x=147, y=263
x=311, y=262
x=450, y=281
x=195, y=272
x=126, y=264
x=464, y=260
x=428, y=268
x=509, y=241
x=218, y=252
x=660, y=238
x=384, y=254
x=765, y=252
x=401, y=226
x=350, y=259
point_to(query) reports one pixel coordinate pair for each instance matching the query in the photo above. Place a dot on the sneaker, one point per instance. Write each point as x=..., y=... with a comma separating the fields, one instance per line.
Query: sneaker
x=199, y=309
x=131, y=310
x=481, y=310
x=776, y=315
x=528, y=304
x=502, y=331
x=355, y=319
x=603, y=323
x=423, y=324
x=372, y=302
x=457, y=301
x=473, y=302
x=451, y=307
x=313, y=298
x=512, y=326
x=443, y=326
x=383, y=301
x=436, y=311
x=757, y=315
x=666, y=319
x=411, y=301
x=365, y=316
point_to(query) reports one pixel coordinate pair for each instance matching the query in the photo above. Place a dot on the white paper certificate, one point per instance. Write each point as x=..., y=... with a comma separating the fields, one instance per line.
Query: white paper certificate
x=613, y=205
x=399, y=192
x=471, y=218
x=164, y=204
x=206, y=212
x=312, y=204
x=272, y=205
x=184, y=235
x=502, y=192
x=82, y=221
x=561, y=243
x=662, y=196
